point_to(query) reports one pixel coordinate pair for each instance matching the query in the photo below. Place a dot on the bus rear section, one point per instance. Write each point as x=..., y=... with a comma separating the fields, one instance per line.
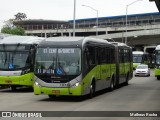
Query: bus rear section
x=16, y=61
x=124, y=63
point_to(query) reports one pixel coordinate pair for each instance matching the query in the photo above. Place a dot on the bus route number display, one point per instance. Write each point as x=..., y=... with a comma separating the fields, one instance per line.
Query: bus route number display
x=52, y=50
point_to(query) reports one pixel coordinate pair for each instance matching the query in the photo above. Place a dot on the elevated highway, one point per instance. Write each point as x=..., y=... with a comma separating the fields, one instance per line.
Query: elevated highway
x=138, y=35
x=142, y=29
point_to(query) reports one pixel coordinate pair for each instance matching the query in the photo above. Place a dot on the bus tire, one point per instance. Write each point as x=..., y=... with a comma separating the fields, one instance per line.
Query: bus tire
x=13, y=88
x=111, y=88
x=127, y=79
x=92, y=90
x=51, y=96
x=158, y=77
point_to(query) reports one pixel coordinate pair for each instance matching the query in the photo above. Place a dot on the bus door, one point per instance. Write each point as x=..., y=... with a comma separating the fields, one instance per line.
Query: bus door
x=92, y=62
x=121, y=66
x=104, y=66
x=108, y=62
x=98, y=63
x=103, y=70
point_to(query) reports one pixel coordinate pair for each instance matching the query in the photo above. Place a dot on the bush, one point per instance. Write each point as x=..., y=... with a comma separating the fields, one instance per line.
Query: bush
x=14, y=31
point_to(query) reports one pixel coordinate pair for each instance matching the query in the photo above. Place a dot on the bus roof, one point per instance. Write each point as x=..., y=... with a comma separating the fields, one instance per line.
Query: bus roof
x=71, y=40
x=2, y=35
x=21, y=40
x=62, y=39
x=138, y=52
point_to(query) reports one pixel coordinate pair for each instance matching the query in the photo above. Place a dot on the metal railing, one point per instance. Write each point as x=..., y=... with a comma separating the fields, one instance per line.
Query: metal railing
x=103, y=23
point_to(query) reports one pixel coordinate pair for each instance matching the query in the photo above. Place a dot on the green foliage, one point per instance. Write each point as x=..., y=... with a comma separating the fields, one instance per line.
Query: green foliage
x=14, y=31
x=10, y=28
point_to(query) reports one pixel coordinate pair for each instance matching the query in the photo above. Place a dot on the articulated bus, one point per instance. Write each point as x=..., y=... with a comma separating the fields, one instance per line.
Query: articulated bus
x=157, y=62
x=139, y=57
x=17, y=60
x=76, y=66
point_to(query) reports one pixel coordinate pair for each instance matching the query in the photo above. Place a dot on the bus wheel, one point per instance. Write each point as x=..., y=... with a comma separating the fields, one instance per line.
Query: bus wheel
x=158, y=77
x=126, y=83
x=111, y=88
x=92, y=90
x=51, y=96
x=13, y=88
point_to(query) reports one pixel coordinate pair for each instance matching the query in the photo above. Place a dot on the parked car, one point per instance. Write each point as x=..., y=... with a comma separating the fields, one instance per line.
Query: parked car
x=142, y=70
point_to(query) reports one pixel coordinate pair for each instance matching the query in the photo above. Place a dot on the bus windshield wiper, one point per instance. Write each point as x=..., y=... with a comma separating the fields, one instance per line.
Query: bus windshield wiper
x=14, y=53
x=5, y=54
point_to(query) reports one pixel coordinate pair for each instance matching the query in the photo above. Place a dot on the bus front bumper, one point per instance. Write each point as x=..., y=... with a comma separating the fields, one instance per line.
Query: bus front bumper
x=57, y=91
x=22, y=80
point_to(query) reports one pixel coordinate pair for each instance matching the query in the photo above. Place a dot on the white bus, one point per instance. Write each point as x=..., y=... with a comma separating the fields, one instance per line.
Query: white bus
x=17, y=60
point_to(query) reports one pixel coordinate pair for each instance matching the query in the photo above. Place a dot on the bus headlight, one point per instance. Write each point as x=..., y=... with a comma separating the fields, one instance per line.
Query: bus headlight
x=75, y=85
x=36, y=83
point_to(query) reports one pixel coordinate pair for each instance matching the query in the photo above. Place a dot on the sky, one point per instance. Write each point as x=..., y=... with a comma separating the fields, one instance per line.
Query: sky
x=64, y=9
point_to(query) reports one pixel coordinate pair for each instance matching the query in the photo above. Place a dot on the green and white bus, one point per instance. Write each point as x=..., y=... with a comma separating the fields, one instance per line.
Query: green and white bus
x=76, y=66
x=157, y=62
x=139, y=57
x=17, y=60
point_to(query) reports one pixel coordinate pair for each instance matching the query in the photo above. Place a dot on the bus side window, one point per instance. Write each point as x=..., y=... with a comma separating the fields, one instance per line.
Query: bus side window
x=98, y=57
x=108, y=55
x=91, y=56
x=103, y=55
x=121, y=55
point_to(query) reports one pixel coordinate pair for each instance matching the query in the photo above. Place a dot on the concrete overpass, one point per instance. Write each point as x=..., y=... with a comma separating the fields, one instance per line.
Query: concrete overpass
x=142, y=30
x=142, y=36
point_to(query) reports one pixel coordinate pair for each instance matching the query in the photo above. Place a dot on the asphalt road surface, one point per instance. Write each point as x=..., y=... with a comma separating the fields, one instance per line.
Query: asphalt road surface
x=142, y=94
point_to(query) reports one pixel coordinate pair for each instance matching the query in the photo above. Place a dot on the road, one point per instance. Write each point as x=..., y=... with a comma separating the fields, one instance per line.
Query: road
x=142, y=94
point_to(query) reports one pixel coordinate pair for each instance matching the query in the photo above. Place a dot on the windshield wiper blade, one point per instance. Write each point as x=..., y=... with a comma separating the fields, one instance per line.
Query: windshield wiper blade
x=14, y=52
x=5, y=55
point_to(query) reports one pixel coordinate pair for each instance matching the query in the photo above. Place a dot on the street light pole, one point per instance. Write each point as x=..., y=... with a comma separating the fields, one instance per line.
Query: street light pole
x=127, y=18
x=74, y=16
x=96, y=18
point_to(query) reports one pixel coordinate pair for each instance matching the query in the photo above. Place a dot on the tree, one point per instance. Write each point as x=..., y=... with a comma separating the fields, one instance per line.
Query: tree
x=14, y=31
x=20, y=16
x=10, y=28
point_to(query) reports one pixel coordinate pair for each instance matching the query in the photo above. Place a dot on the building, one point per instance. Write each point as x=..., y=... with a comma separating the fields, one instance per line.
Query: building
x=87, y=27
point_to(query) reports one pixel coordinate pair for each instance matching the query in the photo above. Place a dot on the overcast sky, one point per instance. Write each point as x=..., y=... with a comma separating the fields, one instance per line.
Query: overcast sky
x=63, y=9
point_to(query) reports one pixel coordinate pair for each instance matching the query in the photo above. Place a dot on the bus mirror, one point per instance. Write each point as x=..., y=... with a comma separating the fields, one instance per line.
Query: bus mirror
x=31, y=56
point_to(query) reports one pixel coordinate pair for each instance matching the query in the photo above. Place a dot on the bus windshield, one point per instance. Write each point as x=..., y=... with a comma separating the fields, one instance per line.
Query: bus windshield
x=11, y=60
x=14, y=57
x=137, y=58
x=58, y=61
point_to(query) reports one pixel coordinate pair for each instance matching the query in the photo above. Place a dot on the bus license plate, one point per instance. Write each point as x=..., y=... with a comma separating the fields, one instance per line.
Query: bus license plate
x=8, y=81
x=56, y=91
